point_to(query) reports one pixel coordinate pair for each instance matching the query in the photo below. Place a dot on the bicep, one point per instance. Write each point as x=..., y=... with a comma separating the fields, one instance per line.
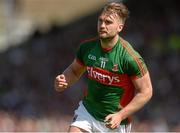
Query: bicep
x=143, y=84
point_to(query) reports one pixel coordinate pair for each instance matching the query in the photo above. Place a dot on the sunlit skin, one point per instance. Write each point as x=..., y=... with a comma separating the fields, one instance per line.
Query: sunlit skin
x=109, y=26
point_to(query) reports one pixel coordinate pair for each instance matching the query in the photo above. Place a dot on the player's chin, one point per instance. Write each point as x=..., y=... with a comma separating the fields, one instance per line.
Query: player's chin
x=103, y=36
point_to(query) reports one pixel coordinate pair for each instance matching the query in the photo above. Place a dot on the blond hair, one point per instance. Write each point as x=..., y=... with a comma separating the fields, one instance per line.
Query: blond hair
x=118, y=8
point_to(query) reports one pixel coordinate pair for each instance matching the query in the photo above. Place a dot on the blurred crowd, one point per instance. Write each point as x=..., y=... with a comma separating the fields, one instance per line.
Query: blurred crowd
x=28, y=101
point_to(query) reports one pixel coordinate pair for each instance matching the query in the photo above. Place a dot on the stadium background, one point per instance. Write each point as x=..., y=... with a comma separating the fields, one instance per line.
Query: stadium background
x=38, y=40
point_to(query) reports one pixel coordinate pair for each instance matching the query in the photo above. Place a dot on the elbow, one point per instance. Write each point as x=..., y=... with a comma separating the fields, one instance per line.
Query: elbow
x=149, y=94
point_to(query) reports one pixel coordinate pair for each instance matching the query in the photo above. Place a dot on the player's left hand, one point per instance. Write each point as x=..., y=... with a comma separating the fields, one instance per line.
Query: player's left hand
x=113, y=120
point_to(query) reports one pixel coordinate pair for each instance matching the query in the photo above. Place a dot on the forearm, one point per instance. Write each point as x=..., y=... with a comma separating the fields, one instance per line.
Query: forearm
x=137, y=103
x=71, y=76
x=144, y=94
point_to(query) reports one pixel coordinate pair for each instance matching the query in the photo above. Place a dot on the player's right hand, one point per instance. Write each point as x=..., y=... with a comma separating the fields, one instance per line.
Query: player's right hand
x=60, y=83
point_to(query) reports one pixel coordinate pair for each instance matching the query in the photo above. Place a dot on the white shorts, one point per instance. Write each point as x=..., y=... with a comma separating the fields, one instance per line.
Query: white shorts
x=85, y=121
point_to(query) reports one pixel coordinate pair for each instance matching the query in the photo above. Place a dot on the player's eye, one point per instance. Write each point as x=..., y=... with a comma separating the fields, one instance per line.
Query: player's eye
x=100, y=20
x=108, y=22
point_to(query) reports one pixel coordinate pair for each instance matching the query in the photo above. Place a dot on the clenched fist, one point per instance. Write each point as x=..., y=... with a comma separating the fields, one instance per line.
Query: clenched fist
x=60, y=83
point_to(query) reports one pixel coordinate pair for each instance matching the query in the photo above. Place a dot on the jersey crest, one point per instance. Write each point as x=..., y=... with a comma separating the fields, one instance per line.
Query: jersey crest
x=115, y=68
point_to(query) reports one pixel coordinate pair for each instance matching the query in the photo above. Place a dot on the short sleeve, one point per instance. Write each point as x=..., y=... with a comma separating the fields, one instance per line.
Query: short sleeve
x=135, y=66
x=79, y=55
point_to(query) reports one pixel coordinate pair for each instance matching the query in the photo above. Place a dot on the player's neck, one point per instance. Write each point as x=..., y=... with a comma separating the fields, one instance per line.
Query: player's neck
x=109, y=42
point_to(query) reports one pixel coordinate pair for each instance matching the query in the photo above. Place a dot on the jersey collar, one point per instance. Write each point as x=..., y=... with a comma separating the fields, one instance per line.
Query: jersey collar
x=110, y=49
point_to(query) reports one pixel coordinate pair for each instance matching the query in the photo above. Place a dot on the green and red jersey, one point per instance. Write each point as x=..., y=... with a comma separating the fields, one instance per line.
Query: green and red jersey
x=110, y=74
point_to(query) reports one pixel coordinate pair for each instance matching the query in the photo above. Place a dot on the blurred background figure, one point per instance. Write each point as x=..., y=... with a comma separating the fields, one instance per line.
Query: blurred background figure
x=33, y=36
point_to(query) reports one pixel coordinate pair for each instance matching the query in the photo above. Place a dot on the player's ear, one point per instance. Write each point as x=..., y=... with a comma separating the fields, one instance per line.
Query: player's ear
x=120, y=27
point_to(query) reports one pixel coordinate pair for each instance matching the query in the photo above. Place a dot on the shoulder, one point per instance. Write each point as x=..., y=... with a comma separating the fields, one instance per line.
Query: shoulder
x=87, y=45
x=129, y=50
x=93, y=39
x=89, y=42
x=134, y=63
x=127, y=46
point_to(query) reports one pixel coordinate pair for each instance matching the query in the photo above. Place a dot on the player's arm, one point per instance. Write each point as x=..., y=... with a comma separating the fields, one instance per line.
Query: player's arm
x=143, y=95
x=69, y=76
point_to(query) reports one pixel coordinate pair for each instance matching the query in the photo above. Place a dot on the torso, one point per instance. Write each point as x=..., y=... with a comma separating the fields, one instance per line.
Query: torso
x=109, y=86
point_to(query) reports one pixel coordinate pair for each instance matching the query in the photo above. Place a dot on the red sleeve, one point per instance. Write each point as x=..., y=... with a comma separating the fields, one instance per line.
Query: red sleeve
x=79, y=62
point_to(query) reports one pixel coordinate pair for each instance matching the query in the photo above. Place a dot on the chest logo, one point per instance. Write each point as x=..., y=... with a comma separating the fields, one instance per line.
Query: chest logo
x=115, y=68
x=92, y=57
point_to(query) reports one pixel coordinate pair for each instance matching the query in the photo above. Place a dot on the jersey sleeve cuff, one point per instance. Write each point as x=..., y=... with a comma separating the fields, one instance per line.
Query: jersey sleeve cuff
x=137, y=76
x=79, y=62
x=134, y=77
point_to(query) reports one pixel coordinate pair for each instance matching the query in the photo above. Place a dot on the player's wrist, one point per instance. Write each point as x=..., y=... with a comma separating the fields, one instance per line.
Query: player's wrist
x=121, y=115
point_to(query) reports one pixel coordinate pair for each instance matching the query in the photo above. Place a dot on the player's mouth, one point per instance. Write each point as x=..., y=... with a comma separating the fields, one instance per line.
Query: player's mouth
x=102, y=32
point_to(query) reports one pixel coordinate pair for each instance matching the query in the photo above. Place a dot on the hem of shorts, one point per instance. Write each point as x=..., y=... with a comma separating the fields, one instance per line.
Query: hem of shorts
x=123, y=123
x=79, y=127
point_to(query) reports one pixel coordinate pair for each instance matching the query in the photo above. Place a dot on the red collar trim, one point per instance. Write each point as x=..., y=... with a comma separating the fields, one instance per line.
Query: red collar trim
x=107, y=49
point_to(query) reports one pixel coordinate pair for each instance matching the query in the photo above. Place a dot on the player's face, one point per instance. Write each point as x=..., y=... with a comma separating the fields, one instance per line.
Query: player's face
x=109, y=25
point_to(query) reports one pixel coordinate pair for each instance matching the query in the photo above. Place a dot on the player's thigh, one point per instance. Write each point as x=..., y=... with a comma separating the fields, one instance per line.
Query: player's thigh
x=76, y=129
